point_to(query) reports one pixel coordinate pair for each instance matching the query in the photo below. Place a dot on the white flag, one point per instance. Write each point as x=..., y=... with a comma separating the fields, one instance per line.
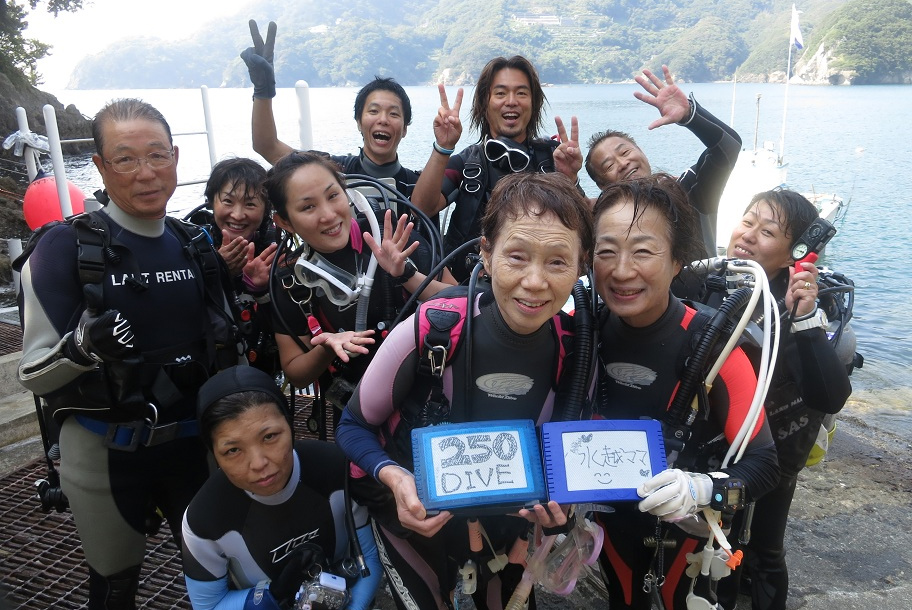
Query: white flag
x=796, y=31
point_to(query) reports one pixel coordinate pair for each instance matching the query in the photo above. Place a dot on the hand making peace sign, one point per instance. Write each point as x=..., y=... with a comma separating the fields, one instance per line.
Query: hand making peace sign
x=447, y=125
x=568, y=159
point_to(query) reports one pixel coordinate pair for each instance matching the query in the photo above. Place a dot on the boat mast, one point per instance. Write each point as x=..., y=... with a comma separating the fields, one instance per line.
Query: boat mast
x=785, y=105
x=757, y=122
x=794, y=38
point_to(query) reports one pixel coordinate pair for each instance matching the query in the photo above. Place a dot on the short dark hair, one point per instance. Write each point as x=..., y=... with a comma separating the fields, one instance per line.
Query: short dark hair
x=278, y=175
x=231, y=407
x=235, y=172
x=596, y=139
x=384, y=84
x=793, y=212
x=483, y=94
x=126, y=109
x=534, y=195
x=664, y=193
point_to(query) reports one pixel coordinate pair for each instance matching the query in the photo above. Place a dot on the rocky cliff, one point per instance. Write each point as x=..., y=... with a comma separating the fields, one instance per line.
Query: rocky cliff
x=821, y=69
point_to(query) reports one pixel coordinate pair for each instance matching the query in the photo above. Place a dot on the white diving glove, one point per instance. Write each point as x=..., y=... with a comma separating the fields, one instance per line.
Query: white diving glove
x=674, y=494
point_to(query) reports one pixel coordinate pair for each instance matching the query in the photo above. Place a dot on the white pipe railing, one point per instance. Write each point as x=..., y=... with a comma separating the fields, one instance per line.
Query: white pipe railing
x=55, y=143
x=207, y=117
x=30, y=164
x=53, y=134
x=305, y=130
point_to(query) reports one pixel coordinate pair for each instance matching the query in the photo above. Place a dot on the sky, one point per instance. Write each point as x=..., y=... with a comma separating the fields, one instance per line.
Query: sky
x=101, y=22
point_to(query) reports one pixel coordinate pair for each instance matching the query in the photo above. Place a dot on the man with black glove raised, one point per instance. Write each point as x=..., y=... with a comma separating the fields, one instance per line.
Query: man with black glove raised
x=119, y=335
x=383, y=113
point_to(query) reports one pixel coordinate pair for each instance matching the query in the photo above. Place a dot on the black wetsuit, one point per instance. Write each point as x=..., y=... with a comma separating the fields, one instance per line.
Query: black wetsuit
x=359, y=164
x=468, y=181
x=422, y=571
x=705, y=180
x=640, y=369
x=262, y=351
x=113, y=491
x=809, y=382
x=234, y=540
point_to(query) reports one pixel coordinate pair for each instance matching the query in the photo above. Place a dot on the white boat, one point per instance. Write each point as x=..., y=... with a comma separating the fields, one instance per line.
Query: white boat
x=764, y=168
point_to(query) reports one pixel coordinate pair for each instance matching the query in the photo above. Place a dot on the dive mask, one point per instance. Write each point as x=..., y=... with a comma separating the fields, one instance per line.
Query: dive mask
x=339, y=286
x=506, y=154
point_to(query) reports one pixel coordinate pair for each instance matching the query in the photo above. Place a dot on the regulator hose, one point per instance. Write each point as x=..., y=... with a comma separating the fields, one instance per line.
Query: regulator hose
x=680, y=411
x=571, y=397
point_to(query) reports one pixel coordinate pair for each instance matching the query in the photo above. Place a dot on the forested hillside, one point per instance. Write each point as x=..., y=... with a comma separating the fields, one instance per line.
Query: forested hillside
x=570, y=41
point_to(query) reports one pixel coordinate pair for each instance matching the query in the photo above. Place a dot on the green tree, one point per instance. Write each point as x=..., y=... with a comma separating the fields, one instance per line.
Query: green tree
x=19, y=55
x=873, y=38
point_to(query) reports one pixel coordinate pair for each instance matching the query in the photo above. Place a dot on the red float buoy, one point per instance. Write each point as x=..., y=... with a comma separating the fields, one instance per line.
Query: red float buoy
x=41, y=204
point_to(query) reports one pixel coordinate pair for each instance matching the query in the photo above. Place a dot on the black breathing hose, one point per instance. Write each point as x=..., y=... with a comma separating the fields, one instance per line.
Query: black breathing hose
x=350, y=525
x=680, y=411
x=467, y=339
x=572, y=400
x=356, y=180
x=430, y=278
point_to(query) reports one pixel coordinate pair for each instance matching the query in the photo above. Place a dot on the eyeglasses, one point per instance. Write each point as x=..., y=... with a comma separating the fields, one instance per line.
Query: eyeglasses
x=155, y=160
x=336, y=284
x=497, y=150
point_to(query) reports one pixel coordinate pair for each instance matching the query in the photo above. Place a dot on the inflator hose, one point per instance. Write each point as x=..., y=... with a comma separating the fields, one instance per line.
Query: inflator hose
x=571, y=399
x=679, y=411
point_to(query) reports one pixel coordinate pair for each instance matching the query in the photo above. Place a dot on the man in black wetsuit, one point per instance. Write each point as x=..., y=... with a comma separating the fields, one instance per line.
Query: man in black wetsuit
x=614, y=155
x=507, y=111
x=383, y=113
x=119, y=344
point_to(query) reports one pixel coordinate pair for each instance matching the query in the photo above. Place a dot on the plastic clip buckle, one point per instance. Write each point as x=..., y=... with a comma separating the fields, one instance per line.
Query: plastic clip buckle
x=113, y=440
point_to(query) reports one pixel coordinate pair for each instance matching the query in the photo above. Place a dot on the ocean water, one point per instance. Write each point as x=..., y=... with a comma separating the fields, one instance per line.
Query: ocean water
x=852, y=141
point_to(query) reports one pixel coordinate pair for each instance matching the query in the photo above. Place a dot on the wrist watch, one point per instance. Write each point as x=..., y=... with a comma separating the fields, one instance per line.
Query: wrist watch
x=818, y=319
x=410, y=269
x=727, y=493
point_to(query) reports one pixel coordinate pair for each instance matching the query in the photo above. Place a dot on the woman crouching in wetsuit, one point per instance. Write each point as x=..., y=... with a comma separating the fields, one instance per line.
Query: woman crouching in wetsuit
x=536, y=240
x=645, y=232
x=267, y=521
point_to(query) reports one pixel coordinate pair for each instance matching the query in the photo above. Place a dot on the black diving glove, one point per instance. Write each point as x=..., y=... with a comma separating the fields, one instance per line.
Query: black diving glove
x=102, y=338
x=259, y=59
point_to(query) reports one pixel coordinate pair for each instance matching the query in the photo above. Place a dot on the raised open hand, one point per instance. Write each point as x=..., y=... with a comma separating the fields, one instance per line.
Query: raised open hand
x=392, y=252
x=667, y=97
x=568, y=159
x=259, y=60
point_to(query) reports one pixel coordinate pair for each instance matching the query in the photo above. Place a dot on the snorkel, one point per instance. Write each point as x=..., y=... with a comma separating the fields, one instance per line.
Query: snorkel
x=366, y=281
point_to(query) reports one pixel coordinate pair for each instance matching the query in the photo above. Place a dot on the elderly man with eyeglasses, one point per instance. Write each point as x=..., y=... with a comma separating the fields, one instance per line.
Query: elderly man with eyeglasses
x=507, y=111
x=120, y=331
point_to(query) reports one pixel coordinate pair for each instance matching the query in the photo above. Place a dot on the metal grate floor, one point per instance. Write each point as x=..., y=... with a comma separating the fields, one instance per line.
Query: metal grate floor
x=41, y=560
x=10, y=331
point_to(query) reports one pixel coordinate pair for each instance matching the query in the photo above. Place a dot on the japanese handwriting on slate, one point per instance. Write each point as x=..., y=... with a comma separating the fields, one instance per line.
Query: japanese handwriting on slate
x=603, y=460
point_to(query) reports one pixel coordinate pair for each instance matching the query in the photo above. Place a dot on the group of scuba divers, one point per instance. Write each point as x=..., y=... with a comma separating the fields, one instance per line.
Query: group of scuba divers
x=145, y=335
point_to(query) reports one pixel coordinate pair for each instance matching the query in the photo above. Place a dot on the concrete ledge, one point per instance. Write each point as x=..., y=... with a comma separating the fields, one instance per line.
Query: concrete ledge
x=18, y=419
x=9, y=378
x=20, y=454
x=20, y=437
